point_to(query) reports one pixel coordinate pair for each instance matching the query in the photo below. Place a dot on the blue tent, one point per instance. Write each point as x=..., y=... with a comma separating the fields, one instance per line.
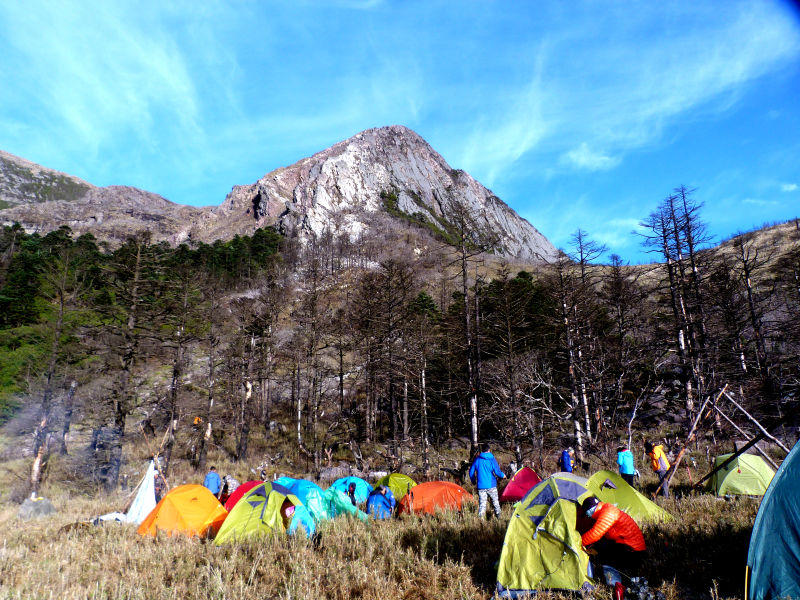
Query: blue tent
x=310, y=494
x=773, y=561
x=380, y=506
x=363, y=489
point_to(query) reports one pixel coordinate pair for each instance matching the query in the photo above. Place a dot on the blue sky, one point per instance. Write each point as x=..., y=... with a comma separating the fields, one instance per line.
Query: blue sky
x=577, y=114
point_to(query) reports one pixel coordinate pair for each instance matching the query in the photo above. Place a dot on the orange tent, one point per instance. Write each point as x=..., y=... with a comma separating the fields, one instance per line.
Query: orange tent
x=427, y=497
x=188, y=509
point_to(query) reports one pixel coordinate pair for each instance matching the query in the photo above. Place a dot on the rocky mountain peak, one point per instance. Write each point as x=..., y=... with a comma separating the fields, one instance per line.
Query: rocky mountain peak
x=391, y=169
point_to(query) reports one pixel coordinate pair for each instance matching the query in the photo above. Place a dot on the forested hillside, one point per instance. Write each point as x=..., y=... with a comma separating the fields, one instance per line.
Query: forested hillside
x=383, y=353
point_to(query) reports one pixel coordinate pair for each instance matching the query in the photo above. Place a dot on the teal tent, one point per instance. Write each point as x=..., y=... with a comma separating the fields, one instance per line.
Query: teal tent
x=773, y=561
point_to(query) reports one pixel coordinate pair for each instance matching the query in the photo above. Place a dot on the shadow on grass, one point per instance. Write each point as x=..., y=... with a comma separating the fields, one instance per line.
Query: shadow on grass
x=474, y=543
x=695, y=556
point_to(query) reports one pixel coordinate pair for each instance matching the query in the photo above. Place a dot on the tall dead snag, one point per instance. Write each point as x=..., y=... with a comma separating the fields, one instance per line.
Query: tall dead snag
x=470, y=239
x=211, y=315
x=676, y=232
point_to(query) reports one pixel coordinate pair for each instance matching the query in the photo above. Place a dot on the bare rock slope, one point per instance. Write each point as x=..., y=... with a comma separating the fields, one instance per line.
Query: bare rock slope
x=389, y=168
x=386, y=170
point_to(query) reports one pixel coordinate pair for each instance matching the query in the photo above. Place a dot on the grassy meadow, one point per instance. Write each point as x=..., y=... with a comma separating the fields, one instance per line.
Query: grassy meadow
x=701, y=554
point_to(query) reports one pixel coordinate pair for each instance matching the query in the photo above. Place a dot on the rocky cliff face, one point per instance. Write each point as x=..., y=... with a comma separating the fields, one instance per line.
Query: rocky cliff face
x=386, y=170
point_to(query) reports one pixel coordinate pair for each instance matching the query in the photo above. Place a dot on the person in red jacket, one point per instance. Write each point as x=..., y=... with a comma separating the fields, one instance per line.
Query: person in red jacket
x=614, y=537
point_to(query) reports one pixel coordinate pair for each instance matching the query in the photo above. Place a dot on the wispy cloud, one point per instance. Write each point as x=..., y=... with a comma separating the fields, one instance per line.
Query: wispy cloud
x=583, y=157
x=789, y=187
x=628, y=87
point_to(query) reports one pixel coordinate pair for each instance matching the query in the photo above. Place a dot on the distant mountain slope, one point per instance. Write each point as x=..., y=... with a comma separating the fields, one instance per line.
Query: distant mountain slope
x=389, y=170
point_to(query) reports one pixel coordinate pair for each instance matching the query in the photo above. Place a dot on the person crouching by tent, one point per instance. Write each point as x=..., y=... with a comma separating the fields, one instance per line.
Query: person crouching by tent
x=625, y=463
x=660, y=464
x=615, y=539
x=484, y=473
x=212, y=482
x=566, y=460
x=381, y=503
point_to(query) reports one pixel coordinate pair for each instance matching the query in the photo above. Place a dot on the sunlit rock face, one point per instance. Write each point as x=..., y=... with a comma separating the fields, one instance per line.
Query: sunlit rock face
x=338, y=187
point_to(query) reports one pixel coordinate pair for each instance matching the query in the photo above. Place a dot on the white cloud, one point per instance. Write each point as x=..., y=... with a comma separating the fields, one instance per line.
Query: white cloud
x=759, y=202
x=584, y=158
x=789, y=187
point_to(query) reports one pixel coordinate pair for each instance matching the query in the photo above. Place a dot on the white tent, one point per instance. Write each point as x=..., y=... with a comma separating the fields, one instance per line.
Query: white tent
x=143, y=503
x=145, y=500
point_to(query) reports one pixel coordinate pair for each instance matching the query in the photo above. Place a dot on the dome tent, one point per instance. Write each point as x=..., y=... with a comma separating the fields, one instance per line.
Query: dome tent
x=520, y=484
x=399, y=483
x=612, y=488
x=542, y=549
x=310, y=494
x=188, y=509
x=773, y=559
x=433, y=495
x=258, y=513
x=362, y=487
x=746, y=475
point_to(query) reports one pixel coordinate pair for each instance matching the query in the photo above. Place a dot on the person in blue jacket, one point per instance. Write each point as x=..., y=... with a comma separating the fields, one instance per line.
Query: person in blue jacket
x=381, y=503
x=565, y=463
x=484, y=473
x=625, y=463
x=213, y=481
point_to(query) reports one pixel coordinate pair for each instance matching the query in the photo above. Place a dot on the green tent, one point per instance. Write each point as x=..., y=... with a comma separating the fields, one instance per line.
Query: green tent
x=542, y=548
x=746, y=475
x=399, y=483
x=773, y=560
x=257, y=513
x=611, y=488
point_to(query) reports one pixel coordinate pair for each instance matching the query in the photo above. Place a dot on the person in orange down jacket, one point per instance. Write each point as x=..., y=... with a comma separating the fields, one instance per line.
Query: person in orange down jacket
x=660, y=464
x=614, y=537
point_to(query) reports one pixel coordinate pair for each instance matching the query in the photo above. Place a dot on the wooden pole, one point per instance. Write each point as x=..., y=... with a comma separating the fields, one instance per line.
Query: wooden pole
x=689, y=440
x=743, y=449
x=740, y=430
x=757, y=424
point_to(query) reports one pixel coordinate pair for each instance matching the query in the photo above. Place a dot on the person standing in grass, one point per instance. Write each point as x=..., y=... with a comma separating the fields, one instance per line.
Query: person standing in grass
x=565, y=462
x=660, y=464
x=484, y=473
x=625, y=463
x=212, y=481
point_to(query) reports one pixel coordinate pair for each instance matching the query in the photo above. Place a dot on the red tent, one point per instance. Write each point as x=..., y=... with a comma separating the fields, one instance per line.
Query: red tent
x=432, y=495
x=239, y=492
x=520, y=484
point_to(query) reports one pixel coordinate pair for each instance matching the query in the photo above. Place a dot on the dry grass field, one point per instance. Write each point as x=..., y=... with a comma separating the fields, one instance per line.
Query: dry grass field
x=701, y=554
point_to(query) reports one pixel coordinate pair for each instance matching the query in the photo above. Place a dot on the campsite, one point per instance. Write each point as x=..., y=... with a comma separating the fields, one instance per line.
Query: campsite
x=697, y=544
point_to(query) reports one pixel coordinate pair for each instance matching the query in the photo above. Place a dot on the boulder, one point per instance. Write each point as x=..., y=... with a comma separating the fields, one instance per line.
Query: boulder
x=33, y=508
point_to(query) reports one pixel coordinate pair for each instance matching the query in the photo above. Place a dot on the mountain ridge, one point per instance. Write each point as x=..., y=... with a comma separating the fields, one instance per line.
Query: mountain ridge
x=338, y=188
